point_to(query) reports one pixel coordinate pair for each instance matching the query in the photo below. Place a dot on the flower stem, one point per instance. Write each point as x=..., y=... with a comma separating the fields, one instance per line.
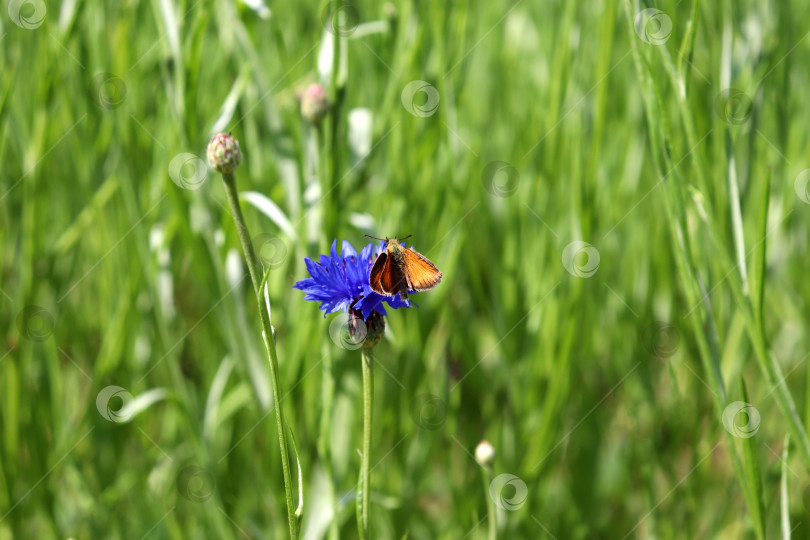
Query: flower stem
x=487, y=477
x=365, y=472
x=325, y=437
x=256, y=277
x=242, y=231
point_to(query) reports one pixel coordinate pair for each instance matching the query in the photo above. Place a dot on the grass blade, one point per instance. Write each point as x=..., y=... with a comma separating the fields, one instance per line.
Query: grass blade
x=736, y=216
x=753, y=478
x=270, y=209
x=784, y=496
x=758, y=270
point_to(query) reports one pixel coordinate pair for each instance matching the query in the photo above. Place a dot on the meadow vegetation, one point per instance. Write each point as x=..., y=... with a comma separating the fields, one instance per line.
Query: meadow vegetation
x=618, y=198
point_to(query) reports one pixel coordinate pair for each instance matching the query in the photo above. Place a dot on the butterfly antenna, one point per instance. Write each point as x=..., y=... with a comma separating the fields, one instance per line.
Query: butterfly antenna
x=374, y=237
x=405, y=237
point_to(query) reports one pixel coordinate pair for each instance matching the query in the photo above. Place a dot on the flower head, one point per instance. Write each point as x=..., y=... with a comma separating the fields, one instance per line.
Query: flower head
x=340, y=281
x=223, y=153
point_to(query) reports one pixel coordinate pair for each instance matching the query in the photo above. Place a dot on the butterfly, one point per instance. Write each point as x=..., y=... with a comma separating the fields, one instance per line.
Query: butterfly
x=399, y=269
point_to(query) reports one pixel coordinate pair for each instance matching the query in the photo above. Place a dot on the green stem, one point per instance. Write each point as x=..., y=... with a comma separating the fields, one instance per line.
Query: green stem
x=325, y=437
x=256, y=277
x=244, y=236
x=365, y=472
x=487, y=477
x=337, y=91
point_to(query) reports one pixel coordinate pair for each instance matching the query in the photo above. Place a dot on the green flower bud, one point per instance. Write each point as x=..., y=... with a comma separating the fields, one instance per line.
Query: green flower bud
x=369, y=332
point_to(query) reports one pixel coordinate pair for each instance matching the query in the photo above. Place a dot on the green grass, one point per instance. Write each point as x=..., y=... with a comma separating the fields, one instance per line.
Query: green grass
x=605, y=394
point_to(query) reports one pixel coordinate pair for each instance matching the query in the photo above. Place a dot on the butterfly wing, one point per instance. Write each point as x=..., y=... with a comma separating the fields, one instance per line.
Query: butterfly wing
x=378, y=273
x=420, y=273
x=387, y=278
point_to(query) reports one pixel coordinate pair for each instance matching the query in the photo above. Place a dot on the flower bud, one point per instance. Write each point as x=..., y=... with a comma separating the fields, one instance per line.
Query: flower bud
x=314, y=104
x=485, y=454
x=223, y=153
x=368, y=332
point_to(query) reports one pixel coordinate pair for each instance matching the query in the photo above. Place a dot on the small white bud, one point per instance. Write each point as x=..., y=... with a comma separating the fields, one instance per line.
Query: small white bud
x=485, y=454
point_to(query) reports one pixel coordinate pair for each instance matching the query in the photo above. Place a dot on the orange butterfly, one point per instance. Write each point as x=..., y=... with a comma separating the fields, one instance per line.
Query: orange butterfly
x=399, y=270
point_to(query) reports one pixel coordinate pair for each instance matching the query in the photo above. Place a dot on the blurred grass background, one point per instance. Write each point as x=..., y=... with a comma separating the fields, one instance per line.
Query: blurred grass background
x=595, y=391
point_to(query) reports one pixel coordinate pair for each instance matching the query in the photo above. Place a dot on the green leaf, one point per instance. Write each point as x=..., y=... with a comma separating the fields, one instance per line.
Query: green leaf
x=299, y=510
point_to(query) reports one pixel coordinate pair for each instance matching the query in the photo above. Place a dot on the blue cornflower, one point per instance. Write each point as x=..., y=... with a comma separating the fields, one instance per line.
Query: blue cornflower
x=340, y=281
